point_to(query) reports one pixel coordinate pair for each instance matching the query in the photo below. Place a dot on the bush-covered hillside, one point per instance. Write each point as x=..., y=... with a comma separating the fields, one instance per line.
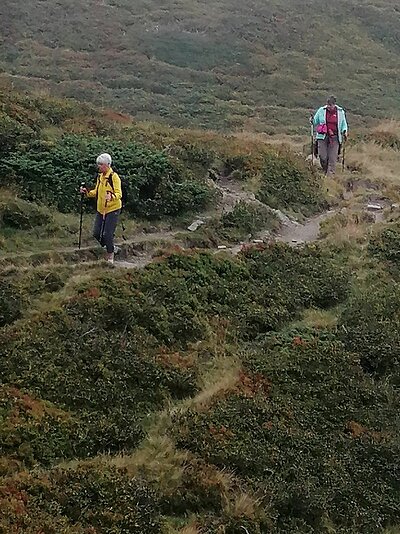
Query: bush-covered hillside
x=206, y=393
x=228, y=64
x=296, y=434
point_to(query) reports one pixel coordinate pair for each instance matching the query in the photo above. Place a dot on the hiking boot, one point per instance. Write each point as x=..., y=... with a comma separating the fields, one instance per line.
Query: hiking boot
x=110, y=258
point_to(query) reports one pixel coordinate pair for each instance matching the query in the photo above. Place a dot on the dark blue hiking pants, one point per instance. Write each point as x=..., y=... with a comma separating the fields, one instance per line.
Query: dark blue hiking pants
x=104, y=229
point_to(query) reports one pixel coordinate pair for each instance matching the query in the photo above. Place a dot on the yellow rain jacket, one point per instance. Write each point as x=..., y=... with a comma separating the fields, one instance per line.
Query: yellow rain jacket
x=103, y=186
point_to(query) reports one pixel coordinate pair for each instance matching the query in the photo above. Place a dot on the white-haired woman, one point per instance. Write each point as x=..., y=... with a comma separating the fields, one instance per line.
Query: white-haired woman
x=108, y=194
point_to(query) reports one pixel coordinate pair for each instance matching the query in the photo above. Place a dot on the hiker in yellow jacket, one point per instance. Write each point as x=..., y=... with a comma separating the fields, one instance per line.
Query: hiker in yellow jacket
x=108, y=194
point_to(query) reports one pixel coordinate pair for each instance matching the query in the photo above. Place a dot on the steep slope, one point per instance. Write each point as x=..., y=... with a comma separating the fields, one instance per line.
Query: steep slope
x=226, y=64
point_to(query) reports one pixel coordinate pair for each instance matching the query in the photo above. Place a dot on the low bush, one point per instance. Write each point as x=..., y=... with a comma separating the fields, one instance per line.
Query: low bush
x=23, y=215
x=78, y=501
x=246, y=219
x=12, y=302
x=107, y=375
x=288, y=183
x=385, y=245
x=12, y=133
x=34, y=431
x=370, y=326
x=99, y=355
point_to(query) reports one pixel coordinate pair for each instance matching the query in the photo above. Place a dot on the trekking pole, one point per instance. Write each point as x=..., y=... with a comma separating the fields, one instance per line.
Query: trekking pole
x=312, y=136
x=81, y=217
x=344, y=156
x=103, y=224
x=123, y=230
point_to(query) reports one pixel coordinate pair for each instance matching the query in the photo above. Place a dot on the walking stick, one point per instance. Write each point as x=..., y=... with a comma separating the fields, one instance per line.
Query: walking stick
x=312, y=136
x=344, y=155
x=103, y=223
x=81, y=217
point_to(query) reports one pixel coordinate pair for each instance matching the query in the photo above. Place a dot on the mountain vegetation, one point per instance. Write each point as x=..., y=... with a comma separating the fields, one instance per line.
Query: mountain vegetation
x=225, y=65
x=206, y=392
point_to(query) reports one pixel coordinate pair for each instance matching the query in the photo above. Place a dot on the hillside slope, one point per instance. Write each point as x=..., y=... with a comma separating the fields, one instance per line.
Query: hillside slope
x=228, y=64
x=202, y=393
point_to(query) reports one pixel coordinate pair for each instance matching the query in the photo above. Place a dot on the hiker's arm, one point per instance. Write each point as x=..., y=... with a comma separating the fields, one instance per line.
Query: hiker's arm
x=316, y=118
x=345, y=127
x=117, y=193
x=91, y=193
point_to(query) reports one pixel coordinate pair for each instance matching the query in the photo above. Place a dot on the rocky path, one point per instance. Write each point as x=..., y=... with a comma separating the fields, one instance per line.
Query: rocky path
x=298, y=233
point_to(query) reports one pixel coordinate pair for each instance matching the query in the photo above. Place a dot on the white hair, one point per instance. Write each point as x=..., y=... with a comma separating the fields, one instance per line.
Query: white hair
x=104, y=159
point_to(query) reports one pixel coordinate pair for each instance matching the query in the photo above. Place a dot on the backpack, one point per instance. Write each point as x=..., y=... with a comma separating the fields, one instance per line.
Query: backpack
x=123, y=189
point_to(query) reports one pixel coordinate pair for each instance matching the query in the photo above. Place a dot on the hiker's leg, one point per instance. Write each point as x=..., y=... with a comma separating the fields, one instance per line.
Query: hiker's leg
x=323, y=154
x=109, y=230
x=333, y=153
x=97, y=227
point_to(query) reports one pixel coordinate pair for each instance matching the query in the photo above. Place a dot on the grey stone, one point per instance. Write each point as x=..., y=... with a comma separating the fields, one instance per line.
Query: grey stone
x=195, y=224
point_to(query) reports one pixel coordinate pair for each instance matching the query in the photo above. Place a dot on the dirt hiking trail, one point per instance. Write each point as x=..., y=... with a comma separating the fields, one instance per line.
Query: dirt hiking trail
x=141, y=248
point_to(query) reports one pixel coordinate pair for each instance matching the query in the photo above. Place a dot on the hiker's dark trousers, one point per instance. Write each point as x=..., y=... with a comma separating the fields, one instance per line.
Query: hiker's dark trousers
x=104, y=229
x=328, y=150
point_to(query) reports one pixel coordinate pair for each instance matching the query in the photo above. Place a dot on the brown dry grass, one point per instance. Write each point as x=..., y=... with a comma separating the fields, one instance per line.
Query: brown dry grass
x=380, y=165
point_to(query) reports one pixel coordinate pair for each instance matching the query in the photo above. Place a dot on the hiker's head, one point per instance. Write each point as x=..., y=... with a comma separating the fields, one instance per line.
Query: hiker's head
x=331, y=103
x=103, y=162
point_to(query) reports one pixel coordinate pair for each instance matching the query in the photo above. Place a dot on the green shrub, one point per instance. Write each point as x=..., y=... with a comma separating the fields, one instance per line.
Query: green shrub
x=386, y=245
x=45, y=281
x=96, y=357
x=78, y=501
x=370, y=326
x=12, y=302
x=12, y=133
x=247, y=219
x=194, y=156
x=275, y=283
x=244, y=221
x=201, y=488
x=239, y=166
x=155, y=186
x=309, y=275
x=288, y=183
x=34, y=431
x=23, y=215
x=57, y=111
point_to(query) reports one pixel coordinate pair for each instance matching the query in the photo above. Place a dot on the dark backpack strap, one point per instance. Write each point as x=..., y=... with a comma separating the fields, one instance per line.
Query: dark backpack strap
x=111, y=181
x=97, y=186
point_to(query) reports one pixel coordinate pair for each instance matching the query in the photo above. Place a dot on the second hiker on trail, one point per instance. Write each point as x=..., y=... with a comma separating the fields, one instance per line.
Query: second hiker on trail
x=108, y=194
x=331, y=131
